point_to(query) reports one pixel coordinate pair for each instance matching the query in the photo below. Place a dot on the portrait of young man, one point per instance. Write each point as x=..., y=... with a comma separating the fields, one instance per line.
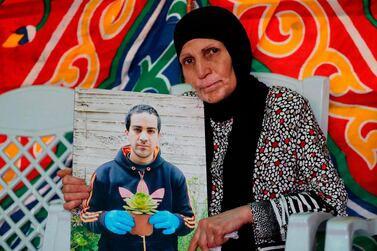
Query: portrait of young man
x=137, y=183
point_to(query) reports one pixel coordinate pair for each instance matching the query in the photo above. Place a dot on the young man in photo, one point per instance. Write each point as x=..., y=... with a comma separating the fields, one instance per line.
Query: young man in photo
x=138, y=168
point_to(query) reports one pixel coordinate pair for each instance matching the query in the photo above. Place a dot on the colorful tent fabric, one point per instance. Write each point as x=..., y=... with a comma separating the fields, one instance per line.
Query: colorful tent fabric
x=127, y=45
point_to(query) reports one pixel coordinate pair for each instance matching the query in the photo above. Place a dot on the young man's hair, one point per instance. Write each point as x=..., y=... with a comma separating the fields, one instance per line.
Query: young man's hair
x=141, y=109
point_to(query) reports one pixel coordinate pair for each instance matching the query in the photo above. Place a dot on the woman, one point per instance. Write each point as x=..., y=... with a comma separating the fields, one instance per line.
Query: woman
x=266, y=156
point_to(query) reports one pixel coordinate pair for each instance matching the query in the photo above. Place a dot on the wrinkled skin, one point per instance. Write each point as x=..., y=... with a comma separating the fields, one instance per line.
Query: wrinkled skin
x=210, y=231
x=74, y=189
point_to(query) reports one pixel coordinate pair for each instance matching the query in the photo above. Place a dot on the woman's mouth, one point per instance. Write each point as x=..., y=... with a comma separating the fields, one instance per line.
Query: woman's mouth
x=212, y=86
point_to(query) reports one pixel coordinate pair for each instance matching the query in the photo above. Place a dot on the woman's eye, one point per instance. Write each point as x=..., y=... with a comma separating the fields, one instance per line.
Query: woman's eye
x=187, y=61
x=212, y=50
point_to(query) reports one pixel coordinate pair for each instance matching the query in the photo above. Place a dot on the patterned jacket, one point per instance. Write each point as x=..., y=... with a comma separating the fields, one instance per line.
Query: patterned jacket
x=292, y=172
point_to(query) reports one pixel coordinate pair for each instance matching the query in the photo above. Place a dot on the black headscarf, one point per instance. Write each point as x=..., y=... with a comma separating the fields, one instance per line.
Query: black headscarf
x=245, y=105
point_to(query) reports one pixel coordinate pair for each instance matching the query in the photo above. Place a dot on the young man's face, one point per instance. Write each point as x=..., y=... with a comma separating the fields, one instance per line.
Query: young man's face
x=143, y=136
x=207, y=66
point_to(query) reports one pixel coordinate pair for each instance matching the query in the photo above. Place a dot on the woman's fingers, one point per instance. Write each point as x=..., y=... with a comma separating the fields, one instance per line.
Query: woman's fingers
x=63, y=172
x=75, y=196
x=74, y=189
x=194, y=241
x=72, y=204
x=211, y=231
x=71, y=180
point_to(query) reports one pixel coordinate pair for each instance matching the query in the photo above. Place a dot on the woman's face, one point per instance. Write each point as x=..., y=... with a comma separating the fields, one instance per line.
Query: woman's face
x=207, y=66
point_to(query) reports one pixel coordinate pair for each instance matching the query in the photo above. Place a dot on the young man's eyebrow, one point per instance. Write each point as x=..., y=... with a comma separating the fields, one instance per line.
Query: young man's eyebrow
x=137, y=126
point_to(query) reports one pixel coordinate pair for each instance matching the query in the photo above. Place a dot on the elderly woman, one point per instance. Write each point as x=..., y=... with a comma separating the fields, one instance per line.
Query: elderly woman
x=266, y=155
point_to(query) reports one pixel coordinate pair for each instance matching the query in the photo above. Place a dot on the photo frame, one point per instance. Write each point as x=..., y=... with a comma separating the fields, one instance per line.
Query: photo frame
x=99, y=134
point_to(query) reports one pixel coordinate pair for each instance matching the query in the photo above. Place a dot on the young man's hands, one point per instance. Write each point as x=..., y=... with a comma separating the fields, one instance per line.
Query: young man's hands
x=165, y=220
x=119, y=222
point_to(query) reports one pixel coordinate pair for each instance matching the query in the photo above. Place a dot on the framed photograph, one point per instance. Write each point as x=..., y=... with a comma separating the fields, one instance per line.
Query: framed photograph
x=100, y=137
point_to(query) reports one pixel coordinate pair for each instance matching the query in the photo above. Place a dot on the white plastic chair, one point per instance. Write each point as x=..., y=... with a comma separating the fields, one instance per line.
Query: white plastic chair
x=315, y=89
x=35, y=121
x=58, y=229
x=340, y=232
x=302, y=230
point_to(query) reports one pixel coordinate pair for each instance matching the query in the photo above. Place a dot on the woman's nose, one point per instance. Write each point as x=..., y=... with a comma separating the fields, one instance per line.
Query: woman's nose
x=202, y=68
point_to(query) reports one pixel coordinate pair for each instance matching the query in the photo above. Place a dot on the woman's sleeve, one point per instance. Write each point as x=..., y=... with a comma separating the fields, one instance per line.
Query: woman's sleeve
x=318, y=185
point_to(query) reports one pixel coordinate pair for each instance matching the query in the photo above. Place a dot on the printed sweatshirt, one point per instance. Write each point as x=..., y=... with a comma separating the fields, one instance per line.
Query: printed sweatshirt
x=120, y=178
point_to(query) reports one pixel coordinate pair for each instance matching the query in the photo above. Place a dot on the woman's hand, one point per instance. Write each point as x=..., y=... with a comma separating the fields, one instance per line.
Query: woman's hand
x=211, y=231
x=74, y=189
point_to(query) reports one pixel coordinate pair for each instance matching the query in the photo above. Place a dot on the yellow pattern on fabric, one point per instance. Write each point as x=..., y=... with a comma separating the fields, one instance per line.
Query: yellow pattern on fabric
x=243, y=6
x=66, y=73
x=11, y=151
x=358, y=116
x=291, y=24
x=346, y=78
x=12, y=40
x=115, y=17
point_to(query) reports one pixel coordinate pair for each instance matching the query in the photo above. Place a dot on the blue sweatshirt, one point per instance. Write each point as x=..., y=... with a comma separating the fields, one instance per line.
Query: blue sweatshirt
x=121, y=174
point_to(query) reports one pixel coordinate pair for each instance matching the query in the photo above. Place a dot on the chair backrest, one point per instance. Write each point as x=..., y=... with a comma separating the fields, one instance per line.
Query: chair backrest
x=34, y=143
x=315, y=89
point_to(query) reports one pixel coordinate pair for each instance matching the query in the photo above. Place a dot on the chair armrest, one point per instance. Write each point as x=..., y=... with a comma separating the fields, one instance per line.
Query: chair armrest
x=302, y=230
x=340, y=231
x=58, y=229
x=179, y=89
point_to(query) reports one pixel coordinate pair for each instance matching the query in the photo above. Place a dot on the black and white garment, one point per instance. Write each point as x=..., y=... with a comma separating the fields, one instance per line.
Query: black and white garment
x=221, y=131
x=292, y=169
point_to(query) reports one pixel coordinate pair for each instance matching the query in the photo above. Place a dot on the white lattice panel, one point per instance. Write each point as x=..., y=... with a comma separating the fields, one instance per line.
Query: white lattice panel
x=34, y=144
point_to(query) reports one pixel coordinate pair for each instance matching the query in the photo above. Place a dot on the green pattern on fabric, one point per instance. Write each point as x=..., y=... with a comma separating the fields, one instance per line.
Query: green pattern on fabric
x=346, y=176
x=368, y=12
x=109, y=82
x=366, y=243
x=258, y=66
x=47, y=11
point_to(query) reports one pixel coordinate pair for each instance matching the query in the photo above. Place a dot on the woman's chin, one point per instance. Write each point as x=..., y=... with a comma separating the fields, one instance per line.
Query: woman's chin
x=211, y=99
